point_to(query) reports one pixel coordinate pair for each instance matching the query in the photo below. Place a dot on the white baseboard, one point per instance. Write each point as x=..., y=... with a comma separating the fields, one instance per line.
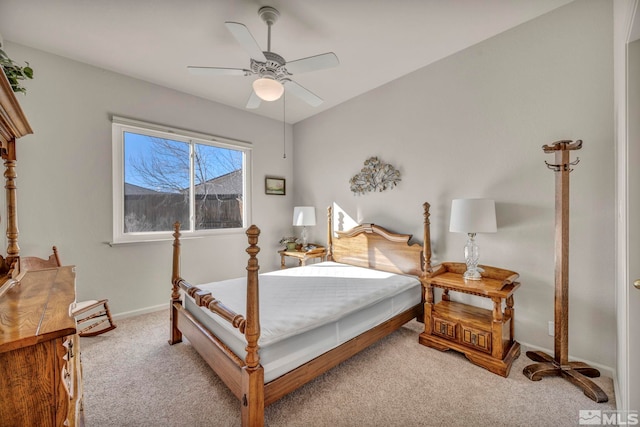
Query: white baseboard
x=141, y=311
x=606, y=371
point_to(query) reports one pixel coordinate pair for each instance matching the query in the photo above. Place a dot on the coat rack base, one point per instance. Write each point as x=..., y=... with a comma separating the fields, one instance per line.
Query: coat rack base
x=577, y=373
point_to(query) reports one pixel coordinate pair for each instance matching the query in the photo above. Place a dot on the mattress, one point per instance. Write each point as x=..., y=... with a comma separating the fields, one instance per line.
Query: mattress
x=306, y=311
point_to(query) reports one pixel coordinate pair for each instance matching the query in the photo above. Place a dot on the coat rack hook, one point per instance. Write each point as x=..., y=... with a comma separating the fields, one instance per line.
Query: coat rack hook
x=562, y=167
x=555, y=168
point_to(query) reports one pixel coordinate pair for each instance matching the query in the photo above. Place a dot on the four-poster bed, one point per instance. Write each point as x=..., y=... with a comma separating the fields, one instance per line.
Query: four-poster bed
x=377, y=274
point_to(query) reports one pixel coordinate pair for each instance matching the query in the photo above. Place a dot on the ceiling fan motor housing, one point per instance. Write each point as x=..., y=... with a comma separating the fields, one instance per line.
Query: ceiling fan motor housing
x=274, y=67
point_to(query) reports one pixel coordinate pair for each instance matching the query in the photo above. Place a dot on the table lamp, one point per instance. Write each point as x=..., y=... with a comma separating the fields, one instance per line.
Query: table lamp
x=304, y=216
x=472, y=216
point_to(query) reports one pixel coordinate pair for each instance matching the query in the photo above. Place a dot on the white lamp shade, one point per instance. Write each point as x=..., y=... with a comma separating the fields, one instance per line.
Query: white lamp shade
x=473, y=216
x=268, y=89
x=304, y=215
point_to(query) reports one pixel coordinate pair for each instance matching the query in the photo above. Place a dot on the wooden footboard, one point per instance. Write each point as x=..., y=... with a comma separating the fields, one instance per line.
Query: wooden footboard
x=217, y=355
x=367, y=245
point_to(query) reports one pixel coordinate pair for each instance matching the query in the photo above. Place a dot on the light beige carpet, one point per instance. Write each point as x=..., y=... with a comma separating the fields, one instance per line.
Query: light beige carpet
x=133, y=377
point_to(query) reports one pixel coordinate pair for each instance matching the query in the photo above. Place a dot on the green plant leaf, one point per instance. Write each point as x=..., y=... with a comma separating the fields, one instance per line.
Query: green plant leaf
x=15, y=72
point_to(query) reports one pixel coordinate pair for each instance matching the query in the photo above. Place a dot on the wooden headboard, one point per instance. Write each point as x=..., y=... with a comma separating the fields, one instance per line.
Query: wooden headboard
x=372, y=246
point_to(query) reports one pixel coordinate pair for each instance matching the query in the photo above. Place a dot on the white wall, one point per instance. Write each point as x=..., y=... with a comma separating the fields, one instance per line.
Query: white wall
x=472, y=125
x=64, y=180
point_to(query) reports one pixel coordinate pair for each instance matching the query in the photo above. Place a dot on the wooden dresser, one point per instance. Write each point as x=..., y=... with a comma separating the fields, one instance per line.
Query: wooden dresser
x=40, y=369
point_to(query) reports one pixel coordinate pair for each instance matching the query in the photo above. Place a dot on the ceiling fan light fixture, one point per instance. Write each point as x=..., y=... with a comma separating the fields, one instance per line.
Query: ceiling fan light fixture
x=268, y=89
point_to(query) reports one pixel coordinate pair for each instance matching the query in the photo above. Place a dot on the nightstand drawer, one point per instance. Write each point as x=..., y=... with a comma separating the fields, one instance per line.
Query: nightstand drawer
x=444, y=328
x=477, y=339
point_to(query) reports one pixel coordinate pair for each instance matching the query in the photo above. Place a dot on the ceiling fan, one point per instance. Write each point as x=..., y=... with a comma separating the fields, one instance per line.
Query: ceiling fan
x=272, y=70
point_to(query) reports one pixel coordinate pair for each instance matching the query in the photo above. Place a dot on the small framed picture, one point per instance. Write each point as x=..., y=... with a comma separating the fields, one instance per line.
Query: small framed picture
x=273, y=185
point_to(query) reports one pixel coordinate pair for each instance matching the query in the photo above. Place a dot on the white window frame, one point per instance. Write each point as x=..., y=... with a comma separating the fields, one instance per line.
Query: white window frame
x=121, y=125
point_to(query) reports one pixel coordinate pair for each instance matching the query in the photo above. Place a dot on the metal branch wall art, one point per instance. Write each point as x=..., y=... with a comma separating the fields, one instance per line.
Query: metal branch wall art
x=374, y=176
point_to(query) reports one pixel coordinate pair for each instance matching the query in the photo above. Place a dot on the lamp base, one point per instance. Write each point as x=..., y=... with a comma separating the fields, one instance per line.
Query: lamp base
x=471, y=255
x=473, y=274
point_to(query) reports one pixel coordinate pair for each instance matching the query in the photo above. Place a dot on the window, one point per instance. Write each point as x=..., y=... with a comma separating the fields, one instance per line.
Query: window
x=163, y=175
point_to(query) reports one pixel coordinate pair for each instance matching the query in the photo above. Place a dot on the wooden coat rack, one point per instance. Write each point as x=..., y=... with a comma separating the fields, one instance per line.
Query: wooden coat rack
x=559, y=365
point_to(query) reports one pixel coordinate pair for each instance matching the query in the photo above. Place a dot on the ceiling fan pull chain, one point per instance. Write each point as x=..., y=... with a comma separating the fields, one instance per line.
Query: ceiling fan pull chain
x=284, y=125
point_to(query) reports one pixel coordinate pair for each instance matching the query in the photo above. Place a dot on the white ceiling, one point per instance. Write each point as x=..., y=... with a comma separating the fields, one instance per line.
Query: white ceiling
x=154, y=40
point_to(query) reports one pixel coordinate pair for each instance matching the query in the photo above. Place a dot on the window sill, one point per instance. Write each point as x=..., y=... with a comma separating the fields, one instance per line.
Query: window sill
x=144, y=242
x=184, y=235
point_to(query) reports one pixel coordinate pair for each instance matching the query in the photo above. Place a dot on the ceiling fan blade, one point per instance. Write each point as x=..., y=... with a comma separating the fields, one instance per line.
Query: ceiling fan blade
x=313, y=63
x=302, y=93
x=254, y=100
x=244, y=37
x=218, y=71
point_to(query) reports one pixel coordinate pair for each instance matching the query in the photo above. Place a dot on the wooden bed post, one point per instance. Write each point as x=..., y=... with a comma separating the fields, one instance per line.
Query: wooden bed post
x=427, y=296
x=176, y=335
x=252, y=373
x=426, y=243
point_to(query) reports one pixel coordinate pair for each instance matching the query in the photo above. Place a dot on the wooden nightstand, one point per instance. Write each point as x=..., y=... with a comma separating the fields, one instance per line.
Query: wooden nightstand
x=303, y=256
x=484, y=336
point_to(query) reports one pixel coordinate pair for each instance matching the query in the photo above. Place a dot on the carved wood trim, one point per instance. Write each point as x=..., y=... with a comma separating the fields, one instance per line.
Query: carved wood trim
x=13, y=122
x=372, y=228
